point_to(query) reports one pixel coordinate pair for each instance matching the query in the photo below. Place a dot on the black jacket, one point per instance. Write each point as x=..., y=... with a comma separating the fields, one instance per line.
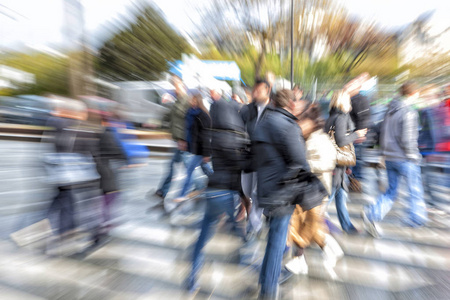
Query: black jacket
x=228, y=144
x=280, y=150
x=201, y=135
x=249, y=114
x=360, y=113
x=110, y=150
x=344, y=135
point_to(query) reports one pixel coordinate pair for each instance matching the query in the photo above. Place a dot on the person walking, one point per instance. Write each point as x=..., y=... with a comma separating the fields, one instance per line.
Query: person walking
x=278, y=148
x=309, y=226
x=251, y=114
x=198, y=129
x=399, y=145
x=227, y=142
x=342, y=124
x=360, y=115
x=178, y=130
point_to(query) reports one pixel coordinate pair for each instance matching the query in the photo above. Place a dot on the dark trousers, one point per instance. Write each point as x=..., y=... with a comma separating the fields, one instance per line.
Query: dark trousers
x=63, y=207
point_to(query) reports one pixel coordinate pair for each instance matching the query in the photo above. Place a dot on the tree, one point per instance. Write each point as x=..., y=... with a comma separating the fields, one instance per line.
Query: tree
x=141, y=50
x=51, y=72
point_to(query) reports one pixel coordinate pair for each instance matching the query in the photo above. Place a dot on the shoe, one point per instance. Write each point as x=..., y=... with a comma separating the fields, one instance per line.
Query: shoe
x=369, y=226
x=152, y=193
x=332, y=252
x=297, y=265
x=285, y=275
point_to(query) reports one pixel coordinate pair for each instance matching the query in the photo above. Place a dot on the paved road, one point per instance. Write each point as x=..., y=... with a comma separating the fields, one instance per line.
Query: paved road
x=147, y=255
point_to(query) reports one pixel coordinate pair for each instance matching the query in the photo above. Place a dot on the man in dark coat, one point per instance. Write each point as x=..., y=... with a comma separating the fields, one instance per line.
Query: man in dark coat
x=360, y=115
x=228, y=140
x=279, y=148
x=251, y=114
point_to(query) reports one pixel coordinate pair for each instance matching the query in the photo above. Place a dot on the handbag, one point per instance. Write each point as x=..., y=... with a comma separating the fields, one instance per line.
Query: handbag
x=67, y=169
x=345, y=156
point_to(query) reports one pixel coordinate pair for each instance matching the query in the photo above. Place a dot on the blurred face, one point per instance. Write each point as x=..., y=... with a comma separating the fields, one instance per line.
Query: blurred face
x=298, y=94
x=300, y=107
x=307, y=127
x=179, y=86
x=215, y=95
x=354, y=86
x=194, y=102
x=261, y=93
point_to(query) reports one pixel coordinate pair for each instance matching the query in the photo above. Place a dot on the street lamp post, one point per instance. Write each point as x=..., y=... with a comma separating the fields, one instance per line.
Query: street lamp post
x=292, y=44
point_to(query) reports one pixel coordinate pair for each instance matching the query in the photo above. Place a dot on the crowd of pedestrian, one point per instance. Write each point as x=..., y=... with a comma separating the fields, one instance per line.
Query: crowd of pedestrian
x=276, y=155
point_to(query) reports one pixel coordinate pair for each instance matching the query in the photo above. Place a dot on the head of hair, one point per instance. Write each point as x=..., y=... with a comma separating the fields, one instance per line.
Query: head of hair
x=283, y=97
x=408, y=88
x=259, y=81
x=341, y=101
x=314, y=114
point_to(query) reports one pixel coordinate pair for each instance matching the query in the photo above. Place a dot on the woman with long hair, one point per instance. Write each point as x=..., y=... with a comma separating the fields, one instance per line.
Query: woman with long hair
x=341, y=123
x=198, y=138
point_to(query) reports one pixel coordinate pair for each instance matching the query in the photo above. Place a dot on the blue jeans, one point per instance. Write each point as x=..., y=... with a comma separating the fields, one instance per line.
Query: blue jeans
x=179, y=156
x=417, y=209
x=217, y=203
x=340, y=196
x=357, y=169
x=194, y=162
x=271, y=266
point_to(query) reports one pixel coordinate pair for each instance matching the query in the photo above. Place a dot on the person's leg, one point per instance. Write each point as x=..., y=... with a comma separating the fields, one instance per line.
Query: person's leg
x=230, y=206
x=67, y=213
x=342, y=212
x=357, y=169
x=369, y=184
x=194, y=163
x=417, y=208
x=255, y=218
x=164, y=189
x=273, y=257
x=206, y=167
x=214, y=208
x=378, y=211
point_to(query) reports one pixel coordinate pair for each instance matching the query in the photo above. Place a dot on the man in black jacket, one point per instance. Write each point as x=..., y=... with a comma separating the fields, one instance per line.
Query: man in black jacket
x=279, y=148
x=228, y=139
x=360, y=115
x=251, y=114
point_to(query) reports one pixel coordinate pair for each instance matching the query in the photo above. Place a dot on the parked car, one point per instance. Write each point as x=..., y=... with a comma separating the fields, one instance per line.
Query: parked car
x=25, y=109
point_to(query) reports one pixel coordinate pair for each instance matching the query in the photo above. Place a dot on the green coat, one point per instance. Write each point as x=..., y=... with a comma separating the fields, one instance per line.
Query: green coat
x=178, y=118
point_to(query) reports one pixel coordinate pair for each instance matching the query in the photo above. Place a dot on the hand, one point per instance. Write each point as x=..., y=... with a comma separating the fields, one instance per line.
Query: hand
x=206, y=159
x=182, y=145
x=360, y=140
x=361, y=133
x=348, y=171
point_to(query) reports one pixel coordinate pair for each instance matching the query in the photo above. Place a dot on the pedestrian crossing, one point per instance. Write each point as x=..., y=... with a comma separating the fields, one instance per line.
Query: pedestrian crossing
x=147, y=257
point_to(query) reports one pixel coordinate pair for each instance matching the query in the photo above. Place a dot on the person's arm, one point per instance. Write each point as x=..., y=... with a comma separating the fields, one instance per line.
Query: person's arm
x=363, y=114
x=292, y=147
x=205, y=132
x=410, y=135
x=340, y=132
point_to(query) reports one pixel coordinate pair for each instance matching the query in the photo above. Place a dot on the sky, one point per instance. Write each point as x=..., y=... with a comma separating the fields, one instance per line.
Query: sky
x=40, y=23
